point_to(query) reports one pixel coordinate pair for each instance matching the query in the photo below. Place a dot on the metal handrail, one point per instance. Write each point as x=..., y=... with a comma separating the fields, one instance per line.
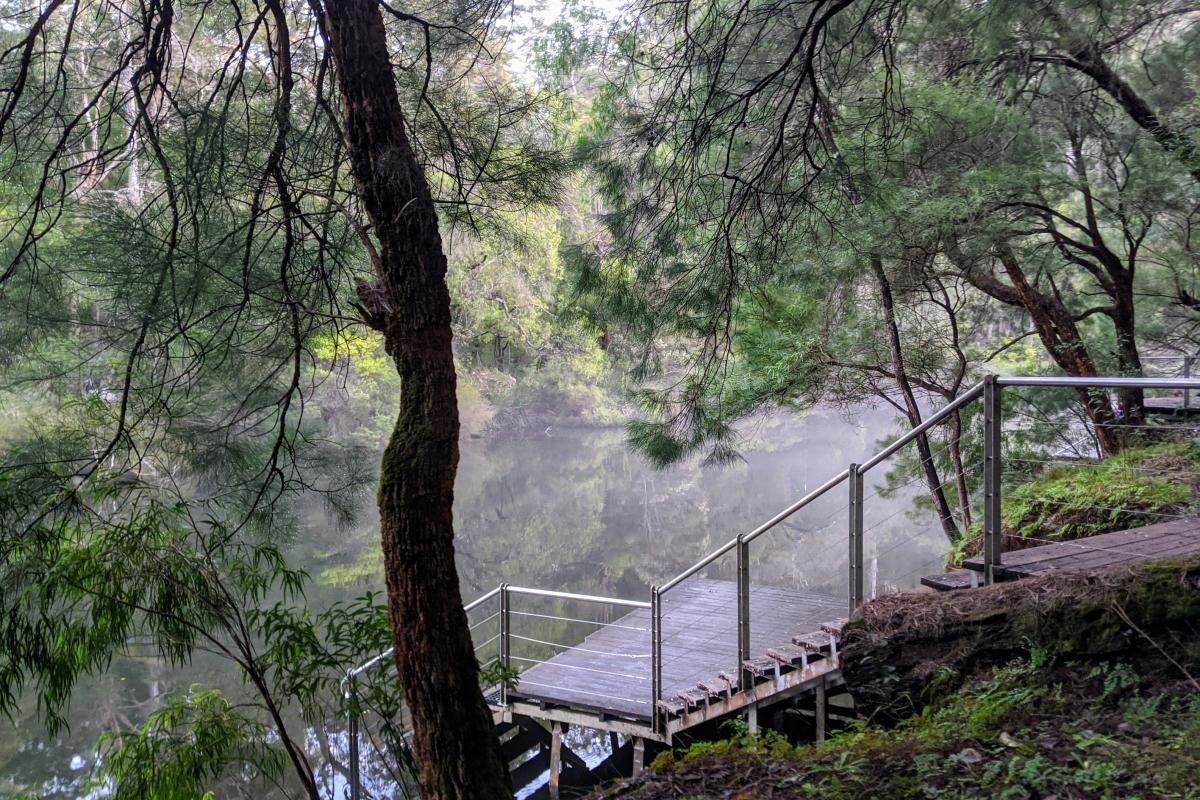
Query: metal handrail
x=471, y=606
x=586, y=598
x=796, y=506
x=754, y=534
x=1098, y=382
x=958, y=402
x=478, y=601
x=366, y=665
x=699, y=565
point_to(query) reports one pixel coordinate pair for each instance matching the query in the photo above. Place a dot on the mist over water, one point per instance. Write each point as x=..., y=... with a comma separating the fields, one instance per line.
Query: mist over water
x=570, y=509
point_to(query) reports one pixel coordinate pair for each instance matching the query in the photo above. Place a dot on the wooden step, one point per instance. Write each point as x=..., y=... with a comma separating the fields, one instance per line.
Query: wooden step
x=528, y=737
x=716, y=688
x=672, y=706
x=958, y=579
x=530, y=770
x=506, y=731
x=789, y=654
x=834, y=628
x=763, y=667
x=732, y=679
x=693, y=697
x=816, y=640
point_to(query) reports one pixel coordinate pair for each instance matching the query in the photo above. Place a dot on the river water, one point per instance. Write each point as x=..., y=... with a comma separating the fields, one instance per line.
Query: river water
x=568, y=509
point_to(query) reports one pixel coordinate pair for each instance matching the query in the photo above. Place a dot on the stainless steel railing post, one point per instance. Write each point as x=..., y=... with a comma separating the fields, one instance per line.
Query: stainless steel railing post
x=992, y=419
x=655, y=655
x=855, y=587
x=743, y=611
x=352, y=733
x=1187, y=373
x=505, y=646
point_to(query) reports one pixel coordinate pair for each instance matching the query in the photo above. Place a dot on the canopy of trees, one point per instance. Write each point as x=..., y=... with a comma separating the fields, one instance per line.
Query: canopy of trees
x=249, y=250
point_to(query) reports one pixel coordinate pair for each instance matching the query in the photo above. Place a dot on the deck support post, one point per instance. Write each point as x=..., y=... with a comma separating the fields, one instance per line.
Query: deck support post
x=856, y=539
x=639, y=756
x=752, y=717
x=819, y=712
x=505, y=651
x=746, y=678
x=655, y=657
x=992, y=419
x=555, y=757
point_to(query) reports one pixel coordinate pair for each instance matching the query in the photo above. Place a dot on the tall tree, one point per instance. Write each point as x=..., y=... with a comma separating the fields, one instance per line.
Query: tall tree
x=275, y=172
x=455, y=741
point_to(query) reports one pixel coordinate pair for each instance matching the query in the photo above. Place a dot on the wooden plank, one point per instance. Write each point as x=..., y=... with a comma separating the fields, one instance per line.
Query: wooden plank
x=789, y=654
x=673, y=706
x=1084, y=553
x=693, y=697
x=958, y=579
x=1107, y=558
x=699, y=640
x=762, y=667
x=815, y=640
x=715, y=687
x=1134, y=542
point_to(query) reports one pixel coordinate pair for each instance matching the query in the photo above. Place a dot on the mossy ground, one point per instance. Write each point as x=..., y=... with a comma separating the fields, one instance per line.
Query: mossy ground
x=1140, y=486
x=1032, y=729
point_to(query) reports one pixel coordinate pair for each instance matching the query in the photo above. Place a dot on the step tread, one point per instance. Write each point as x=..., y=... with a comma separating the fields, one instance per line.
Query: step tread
x=763, y=666
x=732, y=678
x=956, y=579
x=835, y=627
x=693, y=697
x=789, y=654
x=814, y=640
x=715, y=687
x=672, y=706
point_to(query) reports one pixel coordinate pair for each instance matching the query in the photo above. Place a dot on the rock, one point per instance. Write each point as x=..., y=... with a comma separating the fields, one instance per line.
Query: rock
x=970, y=756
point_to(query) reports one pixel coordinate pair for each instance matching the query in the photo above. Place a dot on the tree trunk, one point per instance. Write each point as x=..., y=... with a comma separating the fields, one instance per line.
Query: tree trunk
x=454, y=741
x=960, y=475
x=1089, y=60
x=912, y=410
x=1059, y=333
x=1056, y=328
x=1133, y=401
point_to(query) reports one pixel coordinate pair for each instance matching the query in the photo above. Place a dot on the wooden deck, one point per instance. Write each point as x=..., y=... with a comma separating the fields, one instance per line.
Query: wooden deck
x=1173, y=405
x=609, y=671
x=1162, y=540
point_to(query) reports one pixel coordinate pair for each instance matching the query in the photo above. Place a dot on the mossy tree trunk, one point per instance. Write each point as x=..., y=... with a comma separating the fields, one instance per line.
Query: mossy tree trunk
x=454, y=743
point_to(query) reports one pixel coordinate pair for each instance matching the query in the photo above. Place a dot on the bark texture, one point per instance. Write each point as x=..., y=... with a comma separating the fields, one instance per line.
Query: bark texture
x=454, y=741
x=1056, y=327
